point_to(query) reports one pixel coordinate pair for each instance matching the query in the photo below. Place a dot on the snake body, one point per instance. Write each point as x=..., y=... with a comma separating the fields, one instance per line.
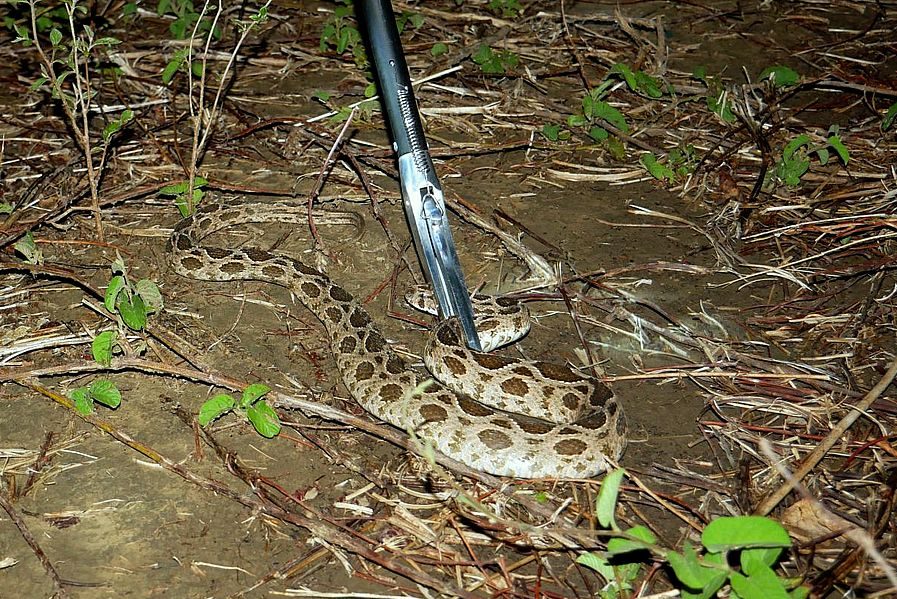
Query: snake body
x=572, y=425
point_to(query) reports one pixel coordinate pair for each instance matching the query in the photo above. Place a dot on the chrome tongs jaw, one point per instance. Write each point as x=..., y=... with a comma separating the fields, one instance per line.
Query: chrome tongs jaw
x=421, y=193
x=425, y=210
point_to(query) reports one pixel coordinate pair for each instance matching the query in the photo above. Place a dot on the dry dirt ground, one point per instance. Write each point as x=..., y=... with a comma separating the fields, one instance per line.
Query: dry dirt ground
x=641, y=264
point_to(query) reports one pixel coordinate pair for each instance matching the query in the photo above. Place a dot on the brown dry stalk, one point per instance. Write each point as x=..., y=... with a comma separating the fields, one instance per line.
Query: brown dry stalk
x=812, y=460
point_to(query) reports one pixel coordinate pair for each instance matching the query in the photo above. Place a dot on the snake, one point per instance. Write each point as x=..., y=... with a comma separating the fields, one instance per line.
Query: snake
x=500, y=415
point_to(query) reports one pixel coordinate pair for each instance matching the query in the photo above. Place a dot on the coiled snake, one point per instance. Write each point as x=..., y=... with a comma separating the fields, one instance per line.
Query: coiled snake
x=571, y=424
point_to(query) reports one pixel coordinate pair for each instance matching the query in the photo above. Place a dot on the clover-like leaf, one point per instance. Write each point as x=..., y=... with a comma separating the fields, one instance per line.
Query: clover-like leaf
x=214, y=408
x=264, y=419
x=606, y=504
x=252, y=393
x=150, y=294
x=133, y=312
x=83, y=401
x=101, y=347
x=106, y=393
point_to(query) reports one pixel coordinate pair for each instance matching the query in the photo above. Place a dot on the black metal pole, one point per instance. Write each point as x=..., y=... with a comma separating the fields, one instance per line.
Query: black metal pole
x=391, y=70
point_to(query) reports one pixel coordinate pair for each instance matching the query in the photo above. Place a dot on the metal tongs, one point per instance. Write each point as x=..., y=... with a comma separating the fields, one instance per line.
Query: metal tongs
x=421, y=194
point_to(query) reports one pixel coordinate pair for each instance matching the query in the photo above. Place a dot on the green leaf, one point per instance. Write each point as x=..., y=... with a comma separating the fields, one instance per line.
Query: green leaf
x=551, y=132
x=692, y=572
x=577, y=120
x=116, y=284
x=764, y=584
x=781, y=76
x=106, y=393
x=129, y=9
x=214, y=408
x=603, y=110
x=795, y=144
x=657, y=169
x=823, y=156
x=713, y=584
x=753, y=560
x=598, y=133
x=644, y=540
x=890, y=115
x=150, y=294
x=83, y=402
x=196, y=67
x=615, y=148
x=606, y=504
x=133, y=312
x=737, y=532
x=625, y=72
x=722, y=107
x=183, y=205
x=264, y=419
x=370, y=90
x=800, y=593
x=174, y=65
x=38, y=83
x=700, y=73
x=252, y=393
x=483, y=55
x=321, y=95
x=834, y=141
x=648, y=85
x=175, y=189
x=439, y=49
x=28, y=248
x=111, y=129
x=101, y=347
x=21, y=35
x=5, y=208
x=597, y=563
x=55, y=36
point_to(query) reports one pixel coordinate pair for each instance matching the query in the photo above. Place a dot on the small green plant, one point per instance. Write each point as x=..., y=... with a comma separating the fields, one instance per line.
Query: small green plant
x=132, y=302
x=657, y=169
x=754, y=543
x=409, y=18
x=186, y=19
x=179, y=62
x=46, y=18
x=29, y=249
x=69, y=73
x=438, y=49
x=100, y=391
x=795, y=161
x=185, y=198
x=554, y=132
x=780, y=76
x=341, y=34
x=495, y=62
x=639, y=81
x=596, y=112
x=679, y=163
x=251, y=405
x=509, y=9
x=718, y=100
x=890, y=115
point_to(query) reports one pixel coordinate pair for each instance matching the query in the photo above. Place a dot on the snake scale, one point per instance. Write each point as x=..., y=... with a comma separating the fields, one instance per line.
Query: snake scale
x=573, y=424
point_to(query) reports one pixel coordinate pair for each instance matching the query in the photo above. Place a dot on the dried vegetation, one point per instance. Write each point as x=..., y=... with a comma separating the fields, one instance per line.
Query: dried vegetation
x=799, y=408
